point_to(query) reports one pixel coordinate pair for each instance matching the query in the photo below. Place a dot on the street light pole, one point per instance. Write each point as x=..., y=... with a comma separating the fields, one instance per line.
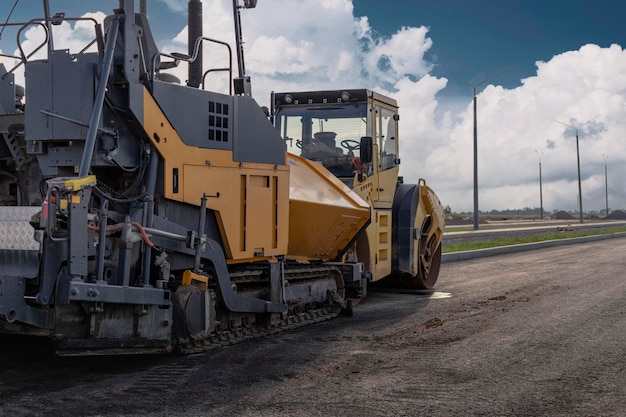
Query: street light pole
x=580, y=192
x=474, y=86
x=476, y=222
x=540, y=187
x=606, y=184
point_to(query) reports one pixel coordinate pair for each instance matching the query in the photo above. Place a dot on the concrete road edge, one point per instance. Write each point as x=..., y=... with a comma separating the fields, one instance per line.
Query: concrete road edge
x=502, y=250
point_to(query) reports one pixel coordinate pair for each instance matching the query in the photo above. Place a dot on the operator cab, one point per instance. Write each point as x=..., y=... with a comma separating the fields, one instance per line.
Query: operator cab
x=332, y=127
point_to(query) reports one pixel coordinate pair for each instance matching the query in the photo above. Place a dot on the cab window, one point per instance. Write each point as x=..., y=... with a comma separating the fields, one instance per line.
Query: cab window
x=386, y=136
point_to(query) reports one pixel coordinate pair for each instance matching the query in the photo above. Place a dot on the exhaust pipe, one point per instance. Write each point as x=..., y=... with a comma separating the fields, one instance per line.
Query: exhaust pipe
x=194, y=10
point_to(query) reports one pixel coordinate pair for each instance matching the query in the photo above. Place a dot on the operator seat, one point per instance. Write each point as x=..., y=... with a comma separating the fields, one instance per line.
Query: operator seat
x=328, y=140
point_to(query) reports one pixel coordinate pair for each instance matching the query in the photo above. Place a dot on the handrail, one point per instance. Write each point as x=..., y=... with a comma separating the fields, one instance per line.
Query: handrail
x=181, y=57
x=39, y=21
x=24, y=58
x=230, y=77
x=2, y=25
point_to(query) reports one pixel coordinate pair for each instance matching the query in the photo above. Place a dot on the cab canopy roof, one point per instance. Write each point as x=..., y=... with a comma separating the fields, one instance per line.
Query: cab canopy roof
x=330, y=97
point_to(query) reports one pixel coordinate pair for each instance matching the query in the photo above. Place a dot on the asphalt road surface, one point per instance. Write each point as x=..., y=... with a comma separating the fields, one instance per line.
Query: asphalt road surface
x=538, y=333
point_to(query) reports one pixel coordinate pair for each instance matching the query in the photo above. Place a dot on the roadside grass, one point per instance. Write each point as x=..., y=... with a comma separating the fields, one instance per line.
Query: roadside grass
x=506, y=241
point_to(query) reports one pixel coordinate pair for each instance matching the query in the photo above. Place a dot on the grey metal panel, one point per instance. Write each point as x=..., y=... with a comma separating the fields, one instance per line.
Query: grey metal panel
x=128, y=54
x=19, y=262
x=131, y=44
x=127, y=153
x=63, y=156
x=117, y=322
x=7, y=92
x=78, y=234
x=14, y=308
x=85, y=291
x=196, y=113
x=38, y=97
x=62, y=85
x=180, y=218
x=311, y=292
x=135, y=100
x=256, y=140
x=52, y=259
x=148, y=45
x=95, y=292
x=200, y=117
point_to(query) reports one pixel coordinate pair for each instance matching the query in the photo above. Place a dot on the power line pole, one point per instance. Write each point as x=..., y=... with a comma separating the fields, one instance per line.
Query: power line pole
x=580, y=192
x=540, y=186
x=474, y=86
x=606, y=184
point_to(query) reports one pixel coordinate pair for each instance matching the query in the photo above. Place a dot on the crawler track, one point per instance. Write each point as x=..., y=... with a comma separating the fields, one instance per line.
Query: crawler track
x=232, y=337
x=298, y=315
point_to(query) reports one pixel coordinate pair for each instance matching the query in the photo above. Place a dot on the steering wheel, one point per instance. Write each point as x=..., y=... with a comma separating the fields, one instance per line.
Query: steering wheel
x=351, y=144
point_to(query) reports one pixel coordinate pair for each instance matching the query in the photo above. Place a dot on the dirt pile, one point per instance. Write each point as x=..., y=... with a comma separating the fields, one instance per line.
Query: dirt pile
x=562, y=215
x=616, y=215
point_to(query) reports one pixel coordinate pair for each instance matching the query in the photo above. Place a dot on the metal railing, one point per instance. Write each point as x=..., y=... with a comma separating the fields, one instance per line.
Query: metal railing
x=43, y=22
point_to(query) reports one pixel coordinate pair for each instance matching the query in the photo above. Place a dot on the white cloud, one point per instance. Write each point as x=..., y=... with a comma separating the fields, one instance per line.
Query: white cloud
x=401, y=55
x=293, y=58
x=574, y=87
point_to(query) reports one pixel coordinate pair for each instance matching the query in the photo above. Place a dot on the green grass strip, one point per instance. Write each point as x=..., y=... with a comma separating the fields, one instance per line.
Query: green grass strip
x=506, y=241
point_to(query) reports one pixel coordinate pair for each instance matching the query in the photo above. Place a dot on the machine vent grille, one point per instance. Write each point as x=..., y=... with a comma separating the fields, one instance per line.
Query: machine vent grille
x=218, y=121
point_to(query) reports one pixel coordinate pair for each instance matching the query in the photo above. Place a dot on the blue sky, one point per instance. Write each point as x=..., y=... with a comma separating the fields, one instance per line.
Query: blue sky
x=472, y=40
x=475, y=40
x=564, y=60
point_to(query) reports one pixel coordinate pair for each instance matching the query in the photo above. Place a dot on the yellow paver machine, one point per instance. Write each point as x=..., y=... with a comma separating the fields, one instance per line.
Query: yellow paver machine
x=141, y=214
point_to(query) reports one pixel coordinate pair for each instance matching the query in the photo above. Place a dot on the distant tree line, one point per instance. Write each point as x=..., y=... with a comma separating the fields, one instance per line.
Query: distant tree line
x=526, y=211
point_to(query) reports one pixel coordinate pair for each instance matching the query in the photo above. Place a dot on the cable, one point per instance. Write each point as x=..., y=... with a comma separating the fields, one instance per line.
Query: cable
x=109, y=197
x=8, y=17
x=120, y=226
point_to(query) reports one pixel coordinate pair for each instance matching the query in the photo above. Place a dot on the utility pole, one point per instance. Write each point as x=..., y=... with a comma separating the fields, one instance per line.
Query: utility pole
x=580, y=192
x=474, y=86
x=476, y=220
x=540, y=186
x=606, y=184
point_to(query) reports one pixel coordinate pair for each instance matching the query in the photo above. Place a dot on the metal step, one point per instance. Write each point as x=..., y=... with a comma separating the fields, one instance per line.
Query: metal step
x=19, y=242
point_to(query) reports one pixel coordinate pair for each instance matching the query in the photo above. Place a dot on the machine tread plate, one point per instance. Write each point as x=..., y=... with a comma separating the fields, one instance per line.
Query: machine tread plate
x=17, y=235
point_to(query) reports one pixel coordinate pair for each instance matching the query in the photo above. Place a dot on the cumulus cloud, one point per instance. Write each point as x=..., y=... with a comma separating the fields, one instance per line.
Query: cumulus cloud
x=321, y=44
x=584, y=89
